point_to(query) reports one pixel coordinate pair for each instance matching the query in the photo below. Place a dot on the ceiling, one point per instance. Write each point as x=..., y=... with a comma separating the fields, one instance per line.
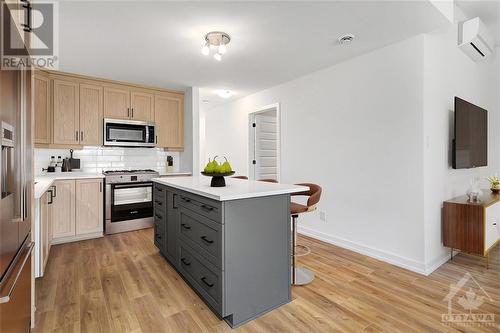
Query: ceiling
x=159, y=43
x=488, y=11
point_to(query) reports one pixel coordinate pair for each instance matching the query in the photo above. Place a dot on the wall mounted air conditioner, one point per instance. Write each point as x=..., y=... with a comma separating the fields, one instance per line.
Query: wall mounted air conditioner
x=475, y=40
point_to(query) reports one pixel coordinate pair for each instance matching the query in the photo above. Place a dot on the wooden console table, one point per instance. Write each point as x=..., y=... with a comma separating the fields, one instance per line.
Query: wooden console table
x=472, y=227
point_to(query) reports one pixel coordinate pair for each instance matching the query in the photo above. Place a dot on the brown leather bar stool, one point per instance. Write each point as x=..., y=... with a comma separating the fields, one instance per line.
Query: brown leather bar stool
x=302, y=275
x=240, y=177
x=268, y=180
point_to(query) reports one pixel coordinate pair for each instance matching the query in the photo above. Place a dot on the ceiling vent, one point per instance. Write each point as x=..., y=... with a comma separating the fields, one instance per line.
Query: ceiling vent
x=475, y=40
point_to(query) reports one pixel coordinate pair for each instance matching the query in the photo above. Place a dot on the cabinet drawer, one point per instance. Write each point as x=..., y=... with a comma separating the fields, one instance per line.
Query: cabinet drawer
x=203, y=277
x=203, y=234
x=206, y=207
x=159, y=197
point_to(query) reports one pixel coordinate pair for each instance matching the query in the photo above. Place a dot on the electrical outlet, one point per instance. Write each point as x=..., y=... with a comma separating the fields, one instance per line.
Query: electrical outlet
x=322, y=215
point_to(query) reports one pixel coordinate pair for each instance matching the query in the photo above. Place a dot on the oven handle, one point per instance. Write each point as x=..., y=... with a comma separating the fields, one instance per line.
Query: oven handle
x=118, y=186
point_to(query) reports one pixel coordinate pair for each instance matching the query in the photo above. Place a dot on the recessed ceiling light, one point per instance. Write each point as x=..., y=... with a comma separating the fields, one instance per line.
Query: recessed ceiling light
x=224, y=93
x=346, y=39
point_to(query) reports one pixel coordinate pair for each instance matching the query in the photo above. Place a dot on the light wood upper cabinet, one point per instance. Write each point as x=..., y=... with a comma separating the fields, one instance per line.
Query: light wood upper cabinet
x=89, y=206
x=117, y=102
x=169, y=120
x=91, y=114
x=141, y=104
x=42, y=109
x=66, y=122
x=63, y=209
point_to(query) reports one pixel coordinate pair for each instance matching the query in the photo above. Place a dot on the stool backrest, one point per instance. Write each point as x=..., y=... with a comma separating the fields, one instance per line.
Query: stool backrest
x=268, y=180
x=314, y=194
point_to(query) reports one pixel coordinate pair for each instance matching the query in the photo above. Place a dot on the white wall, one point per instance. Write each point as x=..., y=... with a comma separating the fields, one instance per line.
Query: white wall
x=448, y=72
x=356, y=129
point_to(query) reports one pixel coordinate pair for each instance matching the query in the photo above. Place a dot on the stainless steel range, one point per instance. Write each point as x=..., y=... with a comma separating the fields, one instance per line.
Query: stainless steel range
x=129, y=200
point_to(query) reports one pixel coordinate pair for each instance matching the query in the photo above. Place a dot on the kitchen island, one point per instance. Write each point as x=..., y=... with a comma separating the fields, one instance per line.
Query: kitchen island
x=231, y=244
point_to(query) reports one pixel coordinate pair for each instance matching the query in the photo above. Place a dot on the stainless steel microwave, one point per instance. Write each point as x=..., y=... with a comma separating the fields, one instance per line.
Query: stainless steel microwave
x=128, y=133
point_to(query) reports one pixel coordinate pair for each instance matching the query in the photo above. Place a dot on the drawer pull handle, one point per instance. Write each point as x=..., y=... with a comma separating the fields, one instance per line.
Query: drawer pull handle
x=159, y=189
x=158, y=216
x=186, y=199
x=207, y=207
x=185, y=262
x=204, y=280
x=494, y=223
x=206, y=239
x=159, y=202
x=185, y=226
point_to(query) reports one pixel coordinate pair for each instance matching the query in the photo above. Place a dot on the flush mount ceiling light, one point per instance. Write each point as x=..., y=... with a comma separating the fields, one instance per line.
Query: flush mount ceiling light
x=346, y=39
x=217, y=40
x=224, y=93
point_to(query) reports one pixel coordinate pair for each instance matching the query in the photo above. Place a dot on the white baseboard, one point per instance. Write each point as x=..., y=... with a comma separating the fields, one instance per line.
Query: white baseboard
x=390, y=258
x=432, y=265
x=77, y=238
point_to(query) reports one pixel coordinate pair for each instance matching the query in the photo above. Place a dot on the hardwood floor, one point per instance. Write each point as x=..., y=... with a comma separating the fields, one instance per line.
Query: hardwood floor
x=121, y=283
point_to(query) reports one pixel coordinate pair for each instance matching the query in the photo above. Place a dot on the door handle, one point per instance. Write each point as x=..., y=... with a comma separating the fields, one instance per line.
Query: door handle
x=128, y=112
x=100, y=187
x=81, y=136
x=76, y=135
x=51, y=197
x=132, y=112
x=55, y=191
x=6, y=298
x=204, y=280
x=204, y=238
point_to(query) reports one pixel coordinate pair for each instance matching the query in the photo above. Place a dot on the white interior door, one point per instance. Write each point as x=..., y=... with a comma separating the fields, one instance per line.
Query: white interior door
x=265, y=160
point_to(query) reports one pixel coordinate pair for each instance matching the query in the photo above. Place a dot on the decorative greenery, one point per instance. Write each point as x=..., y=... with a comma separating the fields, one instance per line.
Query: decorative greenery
x=494, y=181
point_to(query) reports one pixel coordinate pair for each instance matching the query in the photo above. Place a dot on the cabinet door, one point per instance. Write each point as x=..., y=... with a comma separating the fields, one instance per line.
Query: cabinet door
x=169, y=119
x=42, y=109
x=63, y=209
x=91, y=114
x=66, y=122
x=141, y=106
x=44, y=229
x=89, y=206
x=116, y=102
x=173, y=216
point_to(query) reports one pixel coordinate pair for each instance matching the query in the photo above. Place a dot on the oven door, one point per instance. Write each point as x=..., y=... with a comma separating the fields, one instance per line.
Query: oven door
x=128, y=133
x=131, y=201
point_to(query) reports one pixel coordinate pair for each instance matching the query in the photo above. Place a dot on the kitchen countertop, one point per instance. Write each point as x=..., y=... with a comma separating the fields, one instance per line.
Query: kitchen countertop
x=43, y=183
x=235, y=188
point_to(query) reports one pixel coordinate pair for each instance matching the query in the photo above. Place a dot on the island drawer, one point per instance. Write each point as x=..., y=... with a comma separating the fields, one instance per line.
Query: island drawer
x=203, y=277
x=203, y=206
x=203, y=234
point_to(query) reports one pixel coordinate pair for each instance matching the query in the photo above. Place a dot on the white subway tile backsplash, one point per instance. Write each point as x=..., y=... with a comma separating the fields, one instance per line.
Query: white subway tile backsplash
x=97, y=159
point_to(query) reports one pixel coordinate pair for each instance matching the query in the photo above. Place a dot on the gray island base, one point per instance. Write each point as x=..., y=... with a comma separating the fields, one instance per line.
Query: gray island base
x=231, y=245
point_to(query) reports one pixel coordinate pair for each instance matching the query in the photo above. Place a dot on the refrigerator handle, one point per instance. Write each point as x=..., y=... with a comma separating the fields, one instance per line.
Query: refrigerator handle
x=6, y=298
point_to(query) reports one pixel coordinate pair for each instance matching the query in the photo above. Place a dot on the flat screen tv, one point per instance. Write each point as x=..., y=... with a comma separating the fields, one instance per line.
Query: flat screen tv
x=470, y=146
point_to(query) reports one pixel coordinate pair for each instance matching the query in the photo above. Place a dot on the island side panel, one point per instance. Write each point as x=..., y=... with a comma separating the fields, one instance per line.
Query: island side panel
x=257, y=256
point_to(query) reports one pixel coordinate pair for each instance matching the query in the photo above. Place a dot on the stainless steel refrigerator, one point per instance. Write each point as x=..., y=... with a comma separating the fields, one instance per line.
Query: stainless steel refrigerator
x=16, y=182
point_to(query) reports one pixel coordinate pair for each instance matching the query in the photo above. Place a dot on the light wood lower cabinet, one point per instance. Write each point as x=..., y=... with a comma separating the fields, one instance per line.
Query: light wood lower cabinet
x=45, y=228
x=63, y=209
x=77, y=211
x=89, y=206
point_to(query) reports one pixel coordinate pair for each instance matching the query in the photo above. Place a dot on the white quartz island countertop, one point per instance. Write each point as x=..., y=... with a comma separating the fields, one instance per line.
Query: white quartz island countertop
x=43, y=183
x=234, y=189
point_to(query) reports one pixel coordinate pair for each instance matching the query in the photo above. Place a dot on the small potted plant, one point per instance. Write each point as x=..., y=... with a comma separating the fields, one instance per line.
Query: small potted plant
x=494, y=184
